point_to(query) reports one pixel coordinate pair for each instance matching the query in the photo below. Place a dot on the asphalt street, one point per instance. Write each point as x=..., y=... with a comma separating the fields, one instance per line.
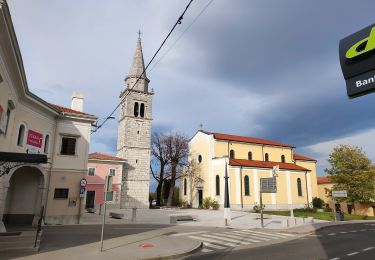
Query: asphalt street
x=355, y=241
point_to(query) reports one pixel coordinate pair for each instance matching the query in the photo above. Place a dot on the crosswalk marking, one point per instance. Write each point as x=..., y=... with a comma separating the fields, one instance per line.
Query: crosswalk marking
x=267, y=234
x=257, y=236
x=213, y=245
x=206, y=250
x=284, y=234
x=227, y=239
x=213, y=241
x=188, y=233
x=244, y=237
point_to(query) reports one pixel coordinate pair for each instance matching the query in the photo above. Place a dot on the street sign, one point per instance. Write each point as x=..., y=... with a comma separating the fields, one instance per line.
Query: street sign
x=268, y=185
x=82, y=192
x=83, y=182
x=339, y=193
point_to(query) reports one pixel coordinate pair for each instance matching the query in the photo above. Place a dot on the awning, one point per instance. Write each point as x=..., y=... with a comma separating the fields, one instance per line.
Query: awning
x=23, y=157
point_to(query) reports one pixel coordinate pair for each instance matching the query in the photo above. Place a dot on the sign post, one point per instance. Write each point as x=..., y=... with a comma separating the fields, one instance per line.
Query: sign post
x=267, y=185
x=107, y=188
x=337, y=194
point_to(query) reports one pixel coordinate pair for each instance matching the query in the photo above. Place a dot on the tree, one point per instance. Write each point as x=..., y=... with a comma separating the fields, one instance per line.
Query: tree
x=352, y=171
x=192, y=172
x=178, y=151
x=160, y=161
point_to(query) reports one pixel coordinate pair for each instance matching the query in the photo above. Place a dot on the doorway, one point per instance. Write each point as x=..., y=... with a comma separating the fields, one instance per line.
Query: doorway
x=200, y=198
x=90, y=199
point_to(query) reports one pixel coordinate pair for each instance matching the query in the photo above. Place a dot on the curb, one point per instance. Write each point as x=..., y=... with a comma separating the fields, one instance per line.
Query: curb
x=196, y=248
x=332, y=224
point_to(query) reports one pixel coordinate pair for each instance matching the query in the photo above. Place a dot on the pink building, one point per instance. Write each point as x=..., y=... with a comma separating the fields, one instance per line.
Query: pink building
x=99, y=166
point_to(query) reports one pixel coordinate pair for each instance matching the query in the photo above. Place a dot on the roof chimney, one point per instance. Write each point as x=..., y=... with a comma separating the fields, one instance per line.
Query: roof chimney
x=77, y=101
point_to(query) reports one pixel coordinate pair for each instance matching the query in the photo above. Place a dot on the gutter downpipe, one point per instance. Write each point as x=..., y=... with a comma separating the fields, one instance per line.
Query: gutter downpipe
x=241, y=187
x=307, y=191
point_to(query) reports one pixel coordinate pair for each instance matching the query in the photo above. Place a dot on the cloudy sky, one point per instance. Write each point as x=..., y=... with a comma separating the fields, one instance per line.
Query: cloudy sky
x=259, y=68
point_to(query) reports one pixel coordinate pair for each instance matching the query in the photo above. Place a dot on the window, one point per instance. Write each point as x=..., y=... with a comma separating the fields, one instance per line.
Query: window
x=231, y=154
x=4, y=119
x=68, y=146
x=136, y=109
x=247, y=185
x=142, y=112
x=249, y=155
x=217, y=185
x=266, y=157
x=200, y=158
x=46, y=144
x=112, y=172
x=185, y=187
x=91, y=171
x=21, y=135
x=283, y=158
x=61, y=193
x=299, y=187
x=1, y=79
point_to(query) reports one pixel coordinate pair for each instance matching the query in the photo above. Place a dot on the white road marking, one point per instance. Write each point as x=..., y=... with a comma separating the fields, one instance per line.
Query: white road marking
x=188, y=233
x=212, y=241
x=213, y=246
x=227, y=239
x=367, y=249
x=332, y=234
x=336, y=258
x=256, y=236
x=266, y=234
x=243, y=236
x=371, y=229
x=284, y=234
x=354, y=253
x=343, y=232
x=353, y=231
x=206, y=250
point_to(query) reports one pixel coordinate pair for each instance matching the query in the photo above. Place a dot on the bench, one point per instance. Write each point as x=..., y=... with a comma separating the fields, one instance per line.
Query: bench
x=175, y=218
x=116, y=215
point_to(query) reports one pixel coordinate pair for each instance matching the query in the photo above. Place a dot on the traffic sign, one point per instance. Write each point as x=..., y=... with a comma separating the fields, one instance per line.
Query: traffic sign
x=83, y=182
x=82, y=192
x=339, y=193
x=268, y=185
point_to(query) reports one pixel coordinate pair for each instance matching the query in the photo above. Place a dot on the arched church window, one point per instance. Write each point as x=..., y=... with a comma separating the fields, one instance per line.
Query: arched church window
x=21, y=134
x=249, y=155
x=283, y=158
x=266, y=157
x=247, y=185
x=136, y=109
x=299, y=187
x=142, y=111
x=217, y=185
x=231, y=154
x=46, y=144
x=185, y=187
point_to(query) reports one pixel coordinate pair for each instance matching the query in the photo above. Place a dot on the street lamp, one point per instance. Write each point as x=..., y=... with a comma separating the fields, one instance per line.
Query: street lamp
x=227, y=213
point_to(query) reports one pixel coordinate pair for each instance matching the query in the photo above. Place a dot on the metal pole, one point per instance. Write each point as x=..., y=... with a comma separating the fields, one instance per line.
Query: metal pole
x=105, y=208
x=334, y=208
x=226, y=197
x=261, y=210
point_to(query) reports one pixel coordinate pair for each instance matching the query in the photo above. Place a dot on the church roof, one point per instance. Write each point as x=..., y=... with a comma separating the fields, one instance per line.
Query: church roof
x=245, y=139
x=69, y=110
x=302, y=158
x=268, y=165
x=138, y=65
x=324, y=180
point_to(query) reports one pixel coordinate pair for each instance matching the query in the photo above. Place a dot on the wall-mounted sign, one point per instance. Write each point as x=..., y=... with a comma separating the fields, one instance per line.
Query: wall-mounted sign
x=34, y=142
x=357, y=58
x=339, y=194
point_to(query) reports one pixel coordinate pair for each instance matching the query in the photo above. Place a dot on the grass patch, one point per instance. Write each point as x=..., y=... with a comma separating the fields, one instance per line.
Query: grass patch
x=317, y=215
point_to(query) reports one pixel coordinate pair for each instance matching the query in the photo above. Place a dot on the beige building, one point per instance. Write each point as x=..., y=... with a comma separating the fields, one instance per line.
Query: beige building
x=43, y=147
x=247, y=160
x=325, y=187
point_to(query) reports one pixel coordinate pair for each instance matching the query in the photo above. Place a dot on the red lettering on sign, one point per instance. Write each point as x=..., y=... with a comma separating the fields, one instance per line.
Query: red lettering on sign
x=34, y=139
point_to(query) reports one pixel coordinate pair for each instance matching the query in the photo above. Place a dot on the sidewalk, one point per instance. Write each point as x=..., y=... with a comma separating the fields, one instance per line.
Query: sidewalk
x=153, y=244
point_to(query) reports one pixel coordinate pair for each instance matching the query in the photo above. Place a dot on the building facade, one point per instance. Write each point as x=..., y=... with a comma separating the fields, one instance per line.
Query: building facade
x=325, y=187
x=99, y=166
x=247, y=160
x=134, y=134
x=43, y=147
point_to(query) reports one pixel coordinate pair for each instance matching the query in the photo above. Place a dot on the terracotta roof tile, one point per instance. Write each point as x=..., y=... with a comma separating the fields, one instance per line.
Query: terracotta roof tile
x=324, y=180
x=302, y=158
x=101, y=156
x=269, y=165
x=246, y=139
x=69, y=110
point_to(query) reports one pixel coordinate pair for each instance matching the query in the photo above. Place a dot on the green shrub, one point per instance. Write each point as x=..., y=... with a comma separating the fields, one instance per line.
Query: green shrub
x=206, y=203
x=317, y=203
x=256, y=207
x=215, y=205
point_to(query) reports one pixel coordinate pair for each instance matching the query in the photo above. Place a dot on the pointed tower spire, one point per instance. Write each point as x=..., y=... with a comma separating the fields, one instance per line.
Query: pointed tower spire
x=137, y=68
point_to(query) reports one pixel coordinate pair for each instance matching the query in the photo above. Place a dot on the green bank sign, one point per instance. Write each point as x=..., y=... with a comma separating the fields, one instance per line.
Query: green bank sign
x=357, y=58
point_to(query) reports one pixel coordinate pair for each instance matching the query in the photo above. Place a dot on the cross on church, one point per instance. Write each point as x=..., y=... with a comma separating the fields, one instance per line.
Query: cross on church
x=201, y=126
x=139, y=33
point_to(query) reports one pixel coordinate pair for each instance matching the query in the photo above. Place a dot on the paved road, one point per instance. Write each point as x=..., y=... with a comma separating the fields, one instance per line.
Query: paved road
x=355, y=241
x=58, y=237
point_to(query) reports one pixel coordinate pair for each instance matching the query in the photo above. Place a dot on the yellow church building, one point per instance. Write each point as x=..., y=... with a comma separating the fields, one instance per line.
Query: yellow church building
x=247, y=160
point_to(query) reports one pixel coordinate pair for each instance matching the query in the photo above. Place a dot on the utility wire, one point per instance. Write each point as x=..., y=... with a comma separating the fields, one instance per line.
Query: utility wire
x=182, y=34
x=139, y=77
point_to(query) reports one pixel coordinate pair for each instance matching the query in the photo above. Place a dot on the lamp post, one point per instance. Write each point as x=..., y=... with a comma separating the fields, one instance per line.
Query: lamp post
x=227, y=213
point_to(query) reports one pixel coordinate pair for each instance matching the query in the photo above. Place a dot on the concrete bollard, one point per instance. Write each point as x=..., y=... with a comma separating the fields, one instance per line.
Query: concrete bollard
x=134, y=214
